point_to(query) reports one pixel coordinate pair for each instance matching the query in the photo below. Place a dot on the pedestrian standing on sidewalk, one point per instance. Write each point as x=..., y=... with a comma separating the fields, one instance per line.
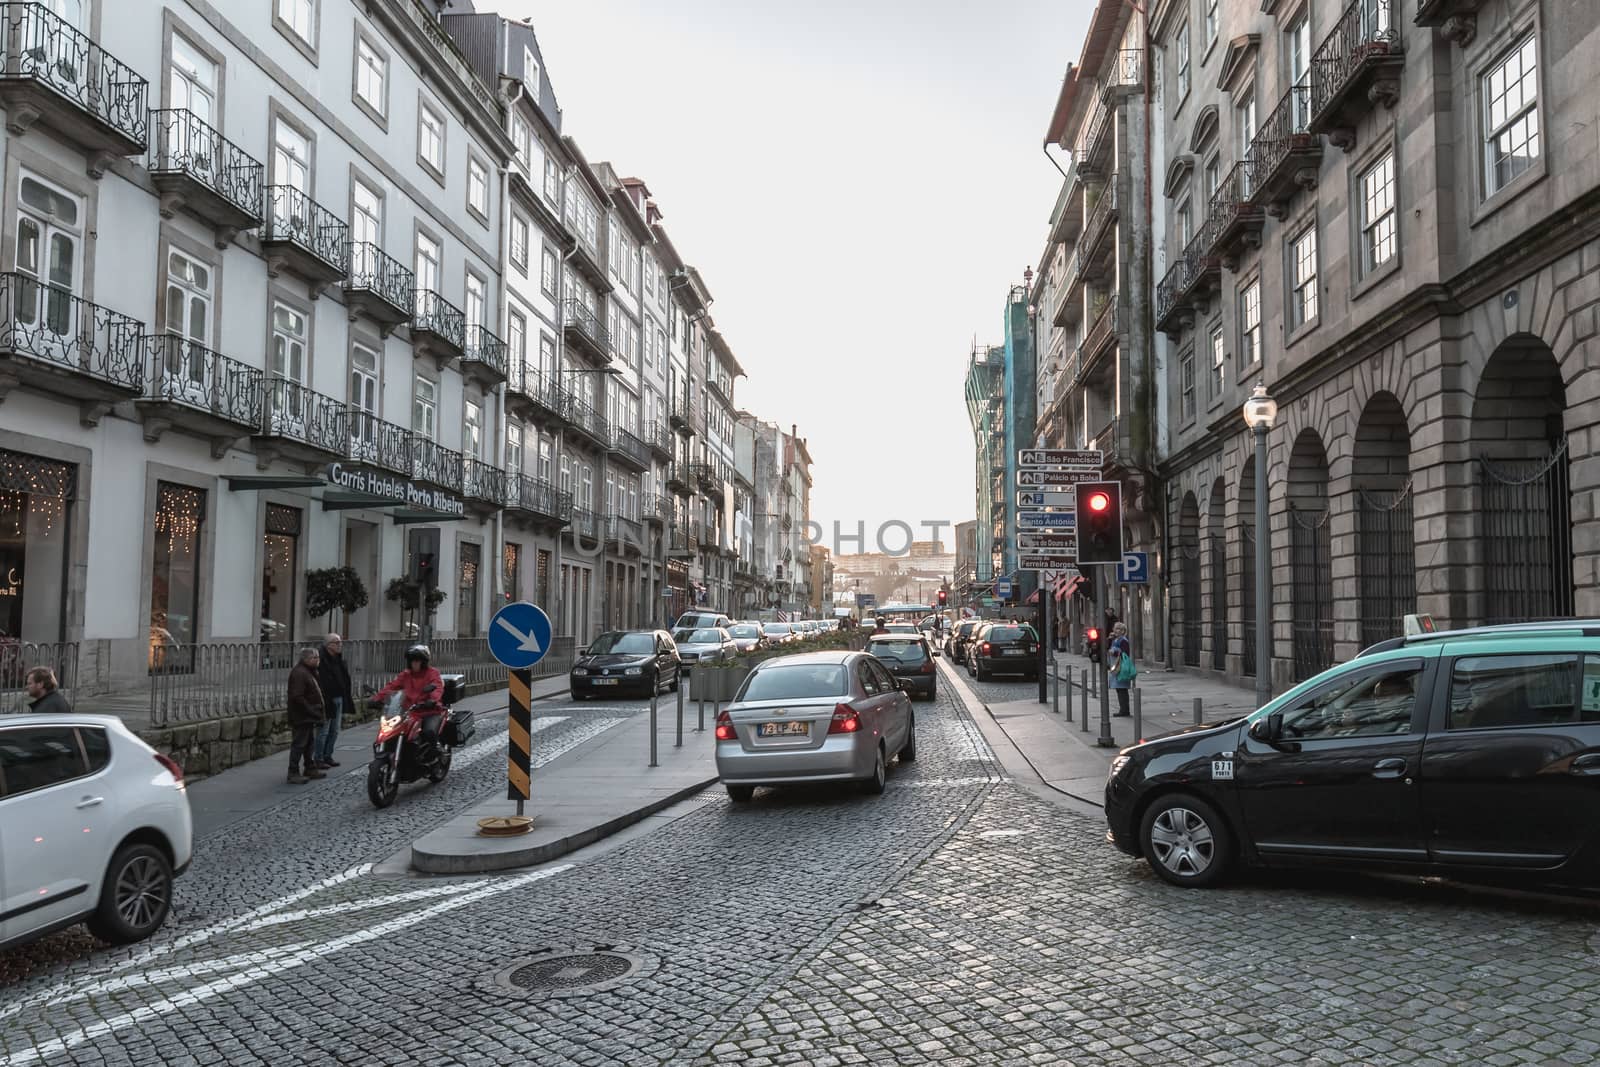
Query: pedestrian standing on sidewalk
x=44, y=698
x=1120, y=646
x=305, y=716
x=333, y=676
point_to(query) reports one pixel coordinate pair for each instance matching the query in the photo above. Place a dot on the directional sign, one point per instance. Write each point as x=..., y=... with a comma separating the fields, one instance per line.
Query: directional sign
x=1134, y=568
x=519, y=635
x=1039, y=499
x=1044, y=561
x=1002, y=588
x=1046, y=520
x=1060, y=457
x=1057, y=480
x=1038, y=542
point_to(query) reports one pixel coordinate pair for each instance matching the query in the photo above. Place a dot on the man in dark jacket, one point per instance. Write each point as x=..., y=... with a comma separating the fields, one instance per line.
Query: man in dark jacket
x=305, y=716
x=333, y=676
x=43, y=696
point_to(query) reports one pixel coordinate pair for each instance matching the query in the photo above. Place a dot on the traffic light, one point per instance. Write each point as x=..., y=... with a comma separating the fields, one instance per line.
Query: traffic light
x=1099, y=521
x=1092, y=639
x=943, y=596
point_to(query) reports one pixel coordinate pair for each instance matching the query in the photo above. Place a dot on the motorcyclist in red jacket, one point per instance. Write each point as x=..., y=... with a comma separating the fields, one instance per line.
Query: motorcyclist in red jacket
x=413, y=686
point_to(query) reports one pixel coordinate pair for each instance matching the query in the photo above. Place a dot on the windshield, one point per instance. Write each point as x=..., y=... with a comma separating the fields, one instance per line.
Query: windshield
x=1009, y=633
x=701, y=637
x=777, y=627
x=795, y=682
x=746, y=631
x=903, y=651
x=612, y=643
x=901, y=628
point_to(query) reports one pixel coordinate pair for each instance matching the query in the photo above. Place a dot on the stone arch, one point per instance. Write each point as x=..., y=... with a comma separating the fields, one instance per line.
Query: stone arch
x=1216, y=550
x=1245, y=540
x=1206, y=121
x=1386, y=563
x=1524, y=499
x=1188, y=615
x=1310, y=552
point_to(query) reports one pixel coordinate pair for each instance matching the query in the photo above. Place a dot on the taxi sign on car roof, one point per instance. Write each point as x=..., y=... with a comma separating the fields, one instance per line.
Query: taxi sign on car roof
x=1415, y=625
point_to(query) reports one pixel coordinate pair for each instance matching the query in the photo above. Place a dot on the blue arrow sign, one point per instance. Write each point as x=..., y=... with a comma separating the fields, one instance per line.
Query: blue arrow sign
x=1134, y=568
x=519, y=635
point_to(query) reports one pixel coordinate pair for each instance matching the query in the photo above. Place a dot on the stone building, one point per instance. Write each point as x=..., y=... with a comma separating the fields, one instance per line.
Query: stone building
x=1387, y=214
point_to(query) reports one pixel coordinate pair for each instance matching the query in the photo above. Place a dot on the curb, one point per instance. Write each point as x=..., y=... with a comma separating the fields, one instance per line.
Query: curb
x=441, y=863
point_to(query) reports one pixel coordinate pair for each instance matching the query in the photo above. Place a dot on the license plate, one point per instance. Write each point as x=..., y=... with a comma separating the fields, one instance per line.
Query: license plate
x=1013, y=652
x=607, y=681
x=784, y=729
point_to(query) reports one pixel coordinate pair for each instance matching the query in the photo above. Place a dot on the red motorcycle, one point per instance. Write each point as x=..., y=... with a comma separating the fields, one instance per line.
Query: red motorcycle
x=397, y=751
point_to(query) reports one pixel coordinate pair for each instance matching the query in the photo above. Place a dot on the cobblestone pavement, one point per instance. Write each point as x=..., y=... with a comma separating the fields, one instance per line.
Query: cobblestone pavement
x=954, y=920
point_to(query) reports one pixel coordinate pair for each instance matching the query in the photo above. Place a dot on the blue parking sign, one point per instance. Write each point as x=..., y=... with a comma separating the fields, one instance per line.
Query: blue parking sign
x=1134, y=568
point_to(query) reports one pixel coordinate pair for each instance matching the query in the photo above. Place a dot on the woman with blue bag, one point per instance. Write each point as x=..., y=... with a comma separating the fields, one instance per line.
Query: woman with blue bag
x=1119, y=662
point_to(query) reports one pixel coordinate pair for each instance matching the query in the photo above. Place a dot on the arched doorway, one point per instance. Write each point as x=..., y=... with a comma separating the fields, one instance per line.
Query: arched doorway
x=1189, y=578
x=1524, y=496
x=1217, y=568
x=1311, y=589
x=1386, y=558
x=1247, y=567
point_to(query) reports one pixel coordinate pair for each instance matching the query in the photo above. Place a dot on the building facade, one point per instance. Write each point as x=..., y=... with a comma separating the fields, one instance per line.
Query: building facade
x=984, y=389
x=1385, y=213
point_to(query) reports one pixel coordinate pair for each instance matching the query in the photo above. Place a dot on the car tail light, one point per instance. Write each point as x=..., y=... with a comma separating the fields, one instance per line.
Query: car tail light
x=171, y=765
x=725, y=727
x=846, y=720
x=987, y=648
x=927, y=667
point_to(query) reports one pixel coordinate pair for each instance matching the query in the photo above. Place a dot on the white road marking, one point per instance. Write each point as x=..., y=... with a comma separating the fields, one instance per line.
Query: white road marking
x=301, y=914
x=264, y=967
x=187, y=970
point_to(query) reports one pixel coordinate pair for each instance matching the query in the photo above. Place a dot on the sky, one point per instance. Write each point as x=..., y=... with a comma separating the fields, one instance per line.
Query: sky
x=859, y=183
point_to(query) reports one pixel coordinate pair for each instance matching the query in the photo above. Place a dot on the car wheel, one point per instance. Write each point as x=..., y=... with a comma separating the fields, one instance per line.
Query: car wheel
x=381, y=789
x=982, y=675
x=576, y=695
x=908, y=751
x=880, y=775
x=1186, y=841
x=741, y=794
x=135, y=896
x=438, y=773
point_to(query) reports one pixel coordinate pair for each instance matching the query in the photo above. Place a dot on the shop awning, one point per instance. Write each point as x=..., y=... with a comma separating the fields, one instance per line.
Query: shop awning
x=341, y=501
x=252, y=482
x=408, y=516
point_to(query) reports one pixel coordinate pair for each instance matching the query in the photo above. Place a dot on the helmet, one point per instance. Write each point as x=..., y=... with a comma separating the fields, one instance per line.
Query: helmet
x=418, y=652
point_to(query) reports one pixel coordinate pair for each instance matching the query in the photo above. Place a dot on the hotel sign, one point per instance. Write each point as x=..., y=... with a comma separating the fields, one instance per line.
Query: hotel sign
x=358, y=479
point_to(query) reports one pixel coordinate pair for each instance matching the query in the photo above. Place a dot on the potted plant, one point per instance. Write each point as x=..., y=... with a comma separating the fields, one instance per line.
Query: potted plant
x=334, y=589
x=409, y=595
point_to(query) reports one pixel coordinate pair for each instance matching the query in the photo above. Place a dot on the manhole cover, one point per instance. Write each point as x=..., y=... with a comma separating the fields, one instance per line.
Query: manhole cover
x=565, y=973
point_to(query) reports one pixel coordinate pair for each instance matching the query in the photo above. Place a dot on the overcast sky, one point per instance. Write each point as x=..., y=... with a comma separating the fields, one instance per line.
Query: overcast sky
x=859, y=181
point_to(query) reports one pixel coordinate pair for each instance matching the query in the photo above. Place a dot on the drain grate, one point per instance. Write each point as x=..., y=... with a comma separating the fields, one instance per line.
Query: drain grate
x=565, y=973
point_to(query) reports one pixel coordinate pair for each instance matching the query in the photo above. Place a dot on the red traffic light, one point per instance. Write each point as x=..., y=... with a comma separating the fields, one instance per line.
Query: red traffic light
x=1099, y=501
x=1094, y=635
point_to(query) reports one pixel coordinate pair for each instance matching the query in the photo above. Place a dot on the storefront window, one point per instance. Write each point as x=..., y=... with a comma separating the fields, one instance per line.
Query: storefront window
x=175, y=573
x=467, y=601
x=280, y=549
x=512, y=570
x=35, y=532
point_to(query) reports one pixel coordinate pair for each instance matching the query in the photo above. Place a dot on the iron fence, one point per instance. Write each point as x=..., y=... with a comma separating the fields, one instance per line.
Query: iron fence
x=1285, y=130
x=299, y=414
x=1311, y=604
x=1386, y=558
x=17, y=658
x=372, y=440
x=183, y=143
x=539, y=497
x=184, y=372
x=1124, y=70
x=578, y=316
x=436, y=315
x=485, y=348
x=49, y=324
x=1365, y=30
x=294, y=218
x=484, y=481
x=1526, y=516
x=41, y=46
x=432, y=462
x=374, y=271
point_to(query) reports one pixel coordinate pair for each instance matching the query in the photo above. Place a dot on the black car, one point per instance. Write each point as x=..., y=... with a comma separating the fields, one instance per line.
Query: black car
x=1471, y=755
x=1003, y=648
x=910, y=660
x=637, y=662
x=956, y=644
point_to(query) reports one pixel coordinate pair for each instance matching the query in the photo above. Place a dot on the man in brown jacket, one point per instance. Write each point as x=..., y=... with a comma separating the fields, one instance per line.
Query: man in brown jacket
x=305, y=716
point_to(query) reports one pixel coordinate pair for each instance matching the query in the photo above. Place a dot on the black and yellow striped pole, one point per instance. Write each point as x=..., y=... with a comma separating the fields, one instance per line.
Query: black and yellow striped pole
x=519, y=734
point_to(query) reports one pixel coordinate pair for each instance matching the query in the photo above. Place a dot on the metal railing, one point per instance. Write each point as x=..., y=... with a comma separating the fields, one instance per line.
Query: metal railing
x=20, y=657
x=296, y=413
x=585, y=523
x=1174, y=285
x=1106, y=440
x=1286, y=129
x=577, y=316
x=372, y=440
x=1366, y=29
x=1229, y=204
x=484, y=348
x=40, y=46
x=484, y=481
x=623, y=531
x=181, y=371
x=1124, y=70
x=374, y=271
x=587, y=420
x=183, y=143
x=659, y=438
x=538, y=497
x=294, y=218
x=50, y=324
x=631, y=446
x=432, y=462
x=436, y=315
x=1104, y=326
x=1105, y=208
x=1090, y=140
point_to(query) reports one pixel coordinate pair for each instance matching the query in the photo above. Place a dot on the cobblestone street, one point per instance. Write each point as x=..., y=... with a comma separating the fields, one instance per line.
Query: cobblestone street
x=955, y=920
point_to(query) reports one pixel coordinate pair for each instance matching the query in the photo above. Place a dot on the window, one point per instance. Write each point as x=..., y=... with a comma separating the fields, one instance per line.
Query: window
x=426, y=263
x=1185, y=224
x=477, y=187
x=1299, y=54
x=1367, y=705
x=299, y=16
x=1303, y=277
x=547, y=356
x=1250, y=323
x=1186, y=370
x=1528, y=690
x=517, y=344
x=552, y=179
x=519, y=244
x=1213, y=178
x=37, y=757
x=530, y=72
x=364, y=399
x=1510, y=116
x=291, y=158
x=548, y=266
x=1378, y=216
x=188, y=303
x=1211, y=21
x=1180, y=52
x=366, y=218
x=513, y=449
x=1218, y=354
x=430, y=140
x=372, y=72
x=474, y=308
x=472, y=430
x=1245, y=113
x=522, y=139
x=193, y=83
x=288, y=357
x=425, y=408
x=175, y=570
x=547, y=447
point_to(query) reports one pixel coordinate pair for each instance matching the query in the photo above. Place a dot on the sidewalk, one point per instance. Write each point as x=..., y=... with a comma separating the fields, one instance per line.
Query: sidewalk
x=591, y=792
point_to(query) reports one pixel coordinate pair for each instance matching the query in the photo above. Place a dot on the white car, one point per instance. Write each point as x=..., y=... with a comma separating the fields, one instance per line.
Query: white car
x=94, y=827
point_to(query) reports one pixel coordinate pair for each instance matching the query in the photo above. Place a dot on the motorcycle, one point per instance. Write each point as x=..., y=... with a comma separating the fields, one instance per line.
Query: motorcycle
x=396, y=751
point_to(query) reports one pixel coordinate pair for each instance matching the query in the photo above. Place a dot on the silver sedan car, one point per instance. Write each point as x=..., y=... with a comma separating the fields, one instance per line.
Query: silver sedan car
x=815, y=717
x=704, y=644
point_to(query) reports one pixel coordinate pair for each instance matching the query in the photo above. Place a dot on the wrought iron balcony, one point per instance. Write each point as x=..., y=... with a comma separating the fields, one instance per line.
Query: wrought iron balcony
x=196, y=168
x=61, y=343
x=1357, y=65
x=677, y=480
x=683, y=416
x=659, y=439
x=586, y=422
x=438, y=327
x=302, y=423
x=1091, y=159
x=1097, y=339
x=1285, y=154
x=709, y=479
x=485, y=355
x=304, y=237
x=1094, y=253
x=584, y=328
x=585, y=524
x=379, y=285
x=1123, y=72
x=630, y=450
x=1106, y=441
x=376, y=442
x=1188, y=279
x=538, y=499
x=432, y=462
x=625, y=534
x=1233, y=220
x=484, y=483
x=54, y=73
x=190, y=387
x=1069, y=297
x=680, y=541
x=655, y=510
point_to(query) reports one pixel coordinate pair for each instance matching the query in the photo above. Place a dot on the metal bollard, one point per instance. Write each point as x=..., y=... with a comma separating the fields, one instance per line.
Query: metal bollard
x=1068, y=680
x=700, y=700
x=653, y=699
x=680, y=702
x=1084, y=707
x=1197, y=711
x=1138, y=716
x=679, y=742
x=1055, y=689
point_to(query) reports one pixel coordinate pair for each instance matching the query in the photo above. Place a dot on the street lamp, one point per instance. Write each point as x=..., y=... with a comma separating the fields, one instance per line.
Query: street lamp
x=1260, y=411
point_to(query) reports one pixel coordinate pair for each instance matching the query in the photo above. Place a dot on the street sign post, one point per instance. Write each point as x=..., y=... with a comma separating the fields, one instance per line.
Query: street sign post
x=519, y=637
x=1060, y=457
x=1134, y=568
x=1046, y=559
x=1002, y=588
x=1033, y=498
x=1058, y=479
x=1036, y=542
x=1046, y=520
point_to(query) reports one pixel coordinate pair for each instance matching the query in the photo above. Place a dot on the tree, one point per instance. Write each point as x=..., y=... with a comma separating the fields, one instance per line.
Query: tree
x=408, y=595
x=331, y=589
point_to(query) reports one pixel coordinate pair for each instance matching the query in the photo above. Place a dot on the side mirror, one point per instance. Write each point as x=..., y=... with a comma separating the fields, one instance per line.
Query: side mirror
x=1268, y=730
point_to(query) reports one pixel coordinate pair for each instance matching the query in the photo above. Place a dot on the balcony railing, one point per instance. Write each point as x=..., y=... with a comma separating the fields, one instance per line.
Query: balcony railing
x=683, y=415
x=374, y=441
x=432, y=462
x=375, y=273
x=485, y=351
x=1233, y=220
x=659, y=438
x=538, y=497
x=1097, y=225
x=297, y=221
x=182, y=372
x=1092, y=139
x=587, y=324
x=1172, y=291
x=50, y=325
x=624, y=532
x=1124, y=70
x=1100, y=331
x=585, y=523
x=656, y=509
x=584, y=419
x=43, y=49
x=1283, y=146
x=1364, y=51
x=484, y=481
x=630, y=449
x=433, y=314
x=1106, y=440
x=183, y=145
x=677, y=480
x=294, y=413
